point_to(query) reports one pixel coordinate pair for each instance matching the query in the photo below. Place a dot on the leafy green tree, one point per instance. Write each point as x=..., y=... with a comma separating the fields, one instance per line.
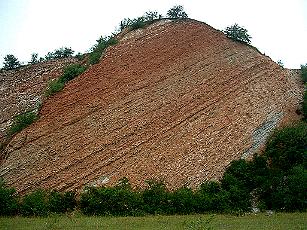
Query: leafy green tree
x=8, y=200
x=280, y=63
x=177, y=12
x=10, y=62
x=237, y=33
x=34, y=58
x=151, y=15
x=287, y=148
x=62, y=52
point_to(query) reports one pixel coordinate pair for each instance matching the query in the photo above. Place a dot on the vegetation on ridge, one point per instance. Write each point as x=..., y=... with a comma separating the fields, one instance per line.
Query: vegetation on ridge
x=22, y=121
x=70, y=73
x=237, y=33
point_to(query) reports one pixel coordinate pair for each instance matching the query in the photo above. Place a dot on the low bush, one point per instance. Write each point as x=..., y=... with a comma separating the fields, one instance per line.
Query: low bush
x=304, y=107
x=97, y=50
x=22, y=121
x=287, y=147
x=35, y=204
x=110, y=201
x=71, y=72
x=238, y=33
x=62, y=52
x=182, y=201
x=8, y=200
x=54, y=86
x=156, y=198
x=61, y=202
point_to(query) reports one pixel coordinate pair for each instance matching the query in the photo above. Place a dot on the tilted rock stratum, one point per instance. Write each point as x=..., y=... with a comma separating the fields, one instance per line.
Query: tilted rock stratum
x=177, y=101
x=22, y=89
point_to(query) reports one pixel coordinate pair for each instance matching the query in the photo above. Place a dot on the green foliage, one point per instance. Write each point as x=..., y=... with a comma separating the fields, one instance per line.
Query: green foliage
x=237, y=33
x=62, y=52
x=54, y=86
x=140, y=22
x=177, y=12
x=71, y=72
x=8, y=200
x=150, y=16
x=156, y=198
x=35, y=204
x=34, y=58
x=22, y=121
x=61, y=202
x=110, y=201
x=288, y=147
x=304, y=107
x=280, y=63
x=102, y=44
x=304, y=72
x=10, y=62
x=182, y=201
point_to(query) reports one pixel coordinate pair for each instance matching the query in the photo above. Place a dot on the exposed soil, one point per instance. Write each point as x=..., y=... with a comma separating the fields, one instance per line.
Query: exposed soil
x=176, y=101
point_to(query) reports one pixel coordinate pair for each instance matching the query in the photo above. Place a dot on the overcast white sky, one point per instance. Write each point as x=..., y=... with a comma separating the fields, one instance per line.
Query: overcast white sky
x=277, y=27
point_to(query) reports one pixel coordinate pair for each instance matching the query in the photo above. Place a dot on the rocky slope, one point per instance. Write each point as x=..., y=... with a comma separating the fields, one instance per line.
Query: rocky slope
x=176, y=101
x=22, y=89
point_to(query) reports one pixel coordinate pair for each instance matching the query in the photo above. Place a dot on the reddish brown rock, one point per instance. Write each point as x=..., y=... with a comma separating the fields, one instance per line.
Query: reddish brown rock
x=176, y=101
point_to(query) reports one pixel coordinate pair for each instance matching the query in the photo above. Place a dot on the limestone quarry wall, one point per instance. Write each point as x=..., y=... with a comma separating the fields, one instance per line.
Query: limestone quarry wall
x=177, y=101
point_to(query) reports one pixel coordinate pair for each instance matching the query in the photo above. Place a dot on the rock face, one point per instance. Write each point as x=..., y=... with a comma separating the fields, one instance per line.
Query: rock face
x=21, y=90
x=177, y=101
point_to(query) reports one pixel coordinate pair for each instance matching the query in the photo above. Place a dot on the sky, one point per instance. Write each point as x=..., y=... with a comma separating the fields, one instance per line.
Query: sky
x=278, y=27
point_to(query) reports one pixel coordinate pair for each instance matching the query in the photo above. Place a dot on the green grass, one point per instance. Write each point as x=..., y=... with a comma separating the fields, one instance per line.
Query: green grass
x=260, y=221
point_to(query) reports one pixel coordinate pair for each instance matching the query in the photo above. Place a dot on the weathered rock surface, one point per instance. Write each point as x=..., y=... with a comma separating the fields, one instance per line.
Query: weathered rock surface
x=22, y=89
x=176, y=101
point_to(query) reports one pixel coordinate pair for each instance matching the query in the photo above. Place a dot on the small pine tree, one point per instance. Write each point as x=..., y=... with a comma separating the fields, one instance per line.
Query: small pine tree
x=10, y=62
x=237, y=33
x=34, y=58
x=177, y=12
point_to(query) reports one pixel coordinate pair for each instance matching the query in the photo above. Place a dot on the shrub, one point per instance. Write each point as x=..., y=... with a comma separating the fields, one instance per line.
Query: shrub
x=54, y=86
x=62, y=52
x=138, y=23
x=97, y=50
x=110, y=201
x=71, y=72
x=237, y=33
x=304, y=72
x=288, y=147
x=8, y=200
x=150, y=16
x=34, y=58
x=182, y=201
x=280, y=63
x=156, y=198
x=22, y=121
x=177, y=12
x=35, y=204
x=211, y=198
x=10, y=62
x=61, y=202
x=304, y=107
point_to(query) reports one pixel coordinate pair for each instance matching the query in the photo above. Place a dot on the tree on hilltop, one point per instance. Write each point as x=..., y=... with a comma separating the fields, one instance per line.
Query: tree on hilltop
x=177, y=12
x=34, y=58
x=10, y=62
x=237, y=33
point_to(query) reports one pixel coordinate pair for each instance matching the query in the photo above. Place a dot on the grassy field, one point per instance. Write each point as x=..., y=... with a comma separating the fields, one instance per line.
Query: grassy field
x=260, y=221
